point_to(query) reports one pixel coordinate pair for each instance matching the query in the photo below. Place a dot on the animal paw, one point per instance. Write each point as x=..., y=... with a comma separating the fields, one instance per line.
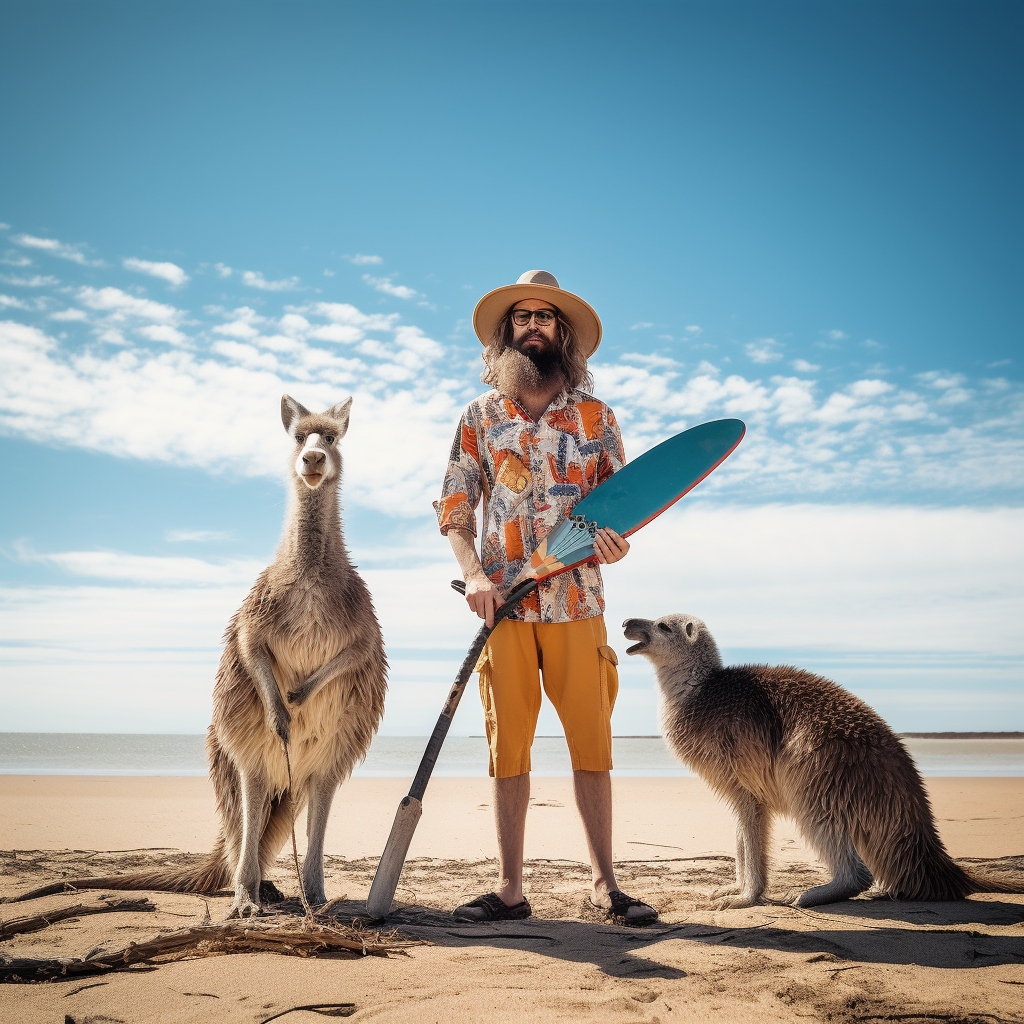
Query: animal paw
x=315, y=897
x=280, y=722
x=737, y=902
x=727, y=890
x=298, y=697
x=245, y=906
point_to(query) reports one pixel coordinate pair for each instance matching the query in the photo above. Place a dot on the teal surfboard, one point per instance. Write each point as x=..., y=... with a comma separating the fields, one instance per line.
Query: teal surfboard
x=639, y=492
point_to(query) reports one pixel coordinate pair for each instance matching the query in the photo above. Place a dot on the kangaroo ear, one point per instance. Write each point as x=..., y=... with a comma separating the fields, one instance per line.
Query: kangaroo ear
x=291, y=412
x=690, y=630
x=339, y=413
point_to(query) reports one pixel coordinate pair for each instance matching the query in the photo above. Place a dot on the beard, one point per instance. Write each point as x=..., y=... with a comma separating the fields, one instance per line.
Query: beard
x=517, y=373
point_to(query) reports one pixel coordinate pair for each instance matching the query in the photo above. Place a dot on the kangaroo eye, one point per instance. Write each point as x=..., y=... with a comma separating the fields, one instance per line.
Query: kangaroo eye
x=300, y=438
x=665, y=628
x=329, y=439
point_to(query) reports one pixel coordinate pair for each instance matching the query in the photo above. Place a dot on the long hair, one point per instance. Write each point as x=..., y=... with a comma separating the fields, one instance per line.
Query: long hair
x=572, y=361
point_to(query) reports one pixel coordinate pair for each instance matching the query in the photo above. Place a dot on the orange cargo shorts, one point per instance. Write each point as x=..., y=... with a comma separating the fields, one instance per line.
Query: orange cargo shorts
x=580, y=679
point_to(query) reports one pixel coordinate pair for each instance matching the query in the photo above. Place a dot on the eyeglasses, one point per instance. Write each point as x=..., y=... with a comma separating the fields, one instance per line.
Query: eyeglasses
x=521, y=317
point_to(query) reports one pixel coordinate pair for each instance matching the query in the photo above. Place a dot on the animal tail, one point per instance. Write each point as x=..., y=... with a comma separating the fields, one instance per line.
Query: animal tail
x=210, y=875
x=900, y=843
x=986, y=883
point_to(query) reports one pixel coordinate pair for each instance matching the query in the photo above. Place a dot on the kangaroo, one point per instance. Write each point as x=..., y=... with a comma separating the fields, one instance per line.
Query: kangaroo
x=779, y=740
x=303, y=667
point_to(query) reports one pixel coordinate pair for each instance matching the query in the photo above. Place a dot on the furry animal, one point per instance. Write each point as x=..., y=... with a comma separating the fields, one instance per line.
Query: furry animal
x=303, y=665
x=778, y=740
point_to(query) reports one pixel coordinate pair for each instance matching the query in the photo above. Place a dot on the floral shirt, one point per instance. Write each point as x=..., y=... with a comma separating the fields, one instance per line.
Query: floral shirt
x=530, y=475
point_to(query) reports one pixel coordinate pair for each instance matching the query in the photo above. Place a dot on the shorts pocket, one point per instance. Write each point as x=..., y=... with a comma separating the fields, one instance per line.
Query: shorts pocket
x=483, y=666
x=609, y=676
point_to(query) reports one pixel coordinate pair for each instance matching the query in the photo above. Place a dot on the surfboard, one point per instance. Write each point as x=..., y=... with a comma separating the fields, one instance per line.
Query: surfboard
x=638, y=493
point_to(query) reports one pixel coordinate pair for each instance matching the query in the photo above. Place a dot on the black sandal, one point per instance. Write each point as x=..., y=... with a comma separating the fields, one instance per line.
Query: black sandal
x=627, y=910
x=491, y=908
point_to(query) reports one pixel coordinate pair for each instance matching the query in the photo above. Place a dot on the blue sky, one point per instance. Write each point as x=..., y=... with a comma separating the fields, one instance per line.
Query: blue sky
x=805, y=215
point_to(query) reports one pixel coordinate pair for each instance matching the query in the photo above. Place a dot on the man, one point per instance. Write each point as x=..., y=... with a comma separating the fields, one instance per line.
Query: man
x=532, y=449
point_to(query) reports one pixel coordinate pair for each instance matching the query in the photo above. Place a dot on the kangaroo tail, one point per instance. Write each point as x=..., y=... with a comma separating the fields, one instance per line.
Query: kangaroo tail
x=987, y=883
x=208, y=876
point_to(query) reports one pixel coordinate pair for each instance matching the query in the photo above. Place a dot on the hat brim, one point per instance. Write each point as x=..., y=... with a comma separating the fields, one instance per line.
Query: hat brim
x=493, y=306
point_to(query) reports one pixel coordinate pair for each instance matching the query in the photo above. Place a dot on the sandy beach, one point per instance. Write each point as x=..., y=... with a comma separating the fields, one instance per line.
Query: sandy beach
x=867, y=959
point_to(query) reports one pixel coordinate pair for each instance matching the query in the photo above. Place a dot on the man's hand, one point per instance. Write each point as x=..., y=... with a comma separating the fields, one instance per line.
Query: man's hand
x=483, y=597
x=609, y=546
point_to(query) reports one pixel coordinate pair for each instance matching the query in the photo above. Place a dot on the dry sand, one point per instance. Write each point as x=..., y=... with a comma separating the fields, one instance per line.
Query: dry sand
x=865, y=960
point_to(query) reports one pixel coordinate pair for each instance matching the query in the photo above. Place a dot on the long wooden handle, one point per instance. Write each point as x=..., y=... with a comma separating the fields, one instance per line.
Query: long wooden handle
x=389, y=868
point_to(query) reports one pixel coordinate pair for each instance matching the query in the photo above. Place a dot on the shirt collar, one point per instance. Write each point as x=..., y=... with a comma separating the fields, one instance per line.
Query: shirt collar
x=560, y=401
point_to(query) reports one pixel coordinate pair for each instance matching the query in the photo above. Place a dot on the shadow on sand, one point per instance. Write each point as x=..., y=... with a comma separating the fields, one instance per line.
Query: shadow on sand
x=936, y=935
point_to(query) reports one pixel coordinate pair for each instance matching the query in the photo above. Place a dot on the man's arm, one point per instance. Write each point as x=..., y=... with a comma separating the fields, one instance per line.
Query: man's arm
x=481, y=594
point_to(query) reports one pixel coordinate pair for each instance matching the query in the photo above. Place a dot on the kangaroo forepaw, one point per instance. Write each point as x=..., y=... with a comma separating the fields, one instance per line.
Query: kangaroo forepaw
x=298, y=697
x=280, y=723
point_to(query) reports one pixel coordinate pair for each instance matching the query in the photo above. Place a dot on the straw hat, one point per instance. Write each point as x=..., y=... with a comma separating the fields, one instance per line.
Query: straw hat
x=538, y=284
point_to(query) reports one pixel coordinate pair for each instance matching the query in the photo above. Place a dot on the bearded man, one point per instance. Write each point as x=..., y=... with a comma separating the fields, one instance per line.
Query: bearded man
x=532, y=448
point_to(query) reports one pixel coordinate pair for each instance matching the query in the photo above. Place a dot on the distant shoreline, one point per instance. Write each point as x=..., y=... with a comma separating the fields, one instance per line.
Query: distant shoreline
x=554, y=736
x=962, y=735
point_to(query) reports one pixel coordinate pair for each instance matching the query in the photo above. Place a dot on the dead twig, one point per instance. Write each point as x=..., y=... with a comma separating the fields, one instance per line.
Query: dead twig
x=36, y=922
x=325, y=1009
x=303, y=938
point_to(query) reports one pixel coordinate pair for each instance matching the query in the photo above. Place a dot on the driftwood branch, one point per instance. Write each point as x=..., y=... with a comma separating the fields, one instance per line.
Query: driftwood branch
x=302, y=938
x=36, y=922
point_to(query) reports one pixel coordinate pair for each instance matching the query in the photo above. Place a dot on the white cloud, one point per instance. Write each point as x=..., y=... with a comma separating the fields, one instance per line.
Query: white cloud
x=254, y=279
x=328, y=273
x=121, y=307
x=16, y=259
x=171, y=377
x=642, y=325
x=764, y=350
x=223, y=270
x=802, y=366
x=918, y=594
x=836, y=335
x=652, y=360
x=163, y=332
x=169, y=272
x=148, y=569
x=10, y=302
x=344, y=313
x=385, y=284
x=196, y=536
x=940, y=379
x=53, y=247
x=35, y=281
x=693, y=328
x=245, y=325
x=363, y=260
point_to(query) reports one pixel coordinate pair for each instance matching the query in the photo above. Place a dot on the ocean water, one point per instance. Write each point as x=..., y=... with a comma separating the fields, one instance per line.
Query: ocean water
x=23, y=753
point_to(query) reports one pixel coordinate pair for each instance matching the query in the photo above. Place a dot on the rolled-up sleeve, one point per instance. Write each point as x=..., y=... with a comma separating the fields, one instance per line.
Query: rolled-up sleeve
x=462, y=487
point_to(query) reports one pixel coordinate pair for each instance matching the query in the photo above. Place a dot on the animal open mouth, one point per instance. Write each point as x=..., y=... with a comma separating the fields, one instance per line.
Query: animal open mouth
x=313, y=479
x=636, y=629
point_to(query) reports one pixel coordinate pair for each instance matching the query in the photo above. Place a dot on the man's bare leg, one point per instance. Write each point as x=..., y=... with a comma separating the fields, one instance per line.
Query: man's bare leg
x=594, y=801
x=511, y=800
